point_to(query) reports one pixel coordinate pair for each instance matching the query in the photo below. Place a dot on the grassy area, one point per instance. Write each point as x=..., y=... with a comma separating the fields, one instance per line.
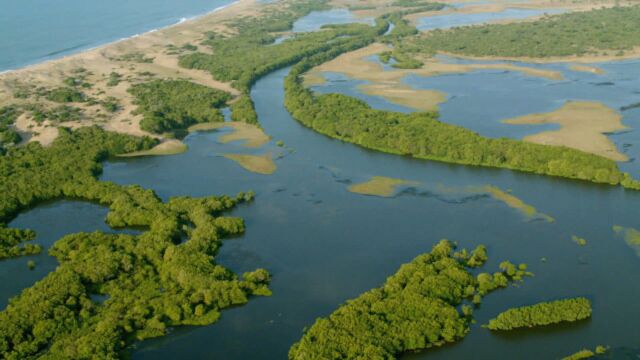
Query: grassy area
x=612, y=31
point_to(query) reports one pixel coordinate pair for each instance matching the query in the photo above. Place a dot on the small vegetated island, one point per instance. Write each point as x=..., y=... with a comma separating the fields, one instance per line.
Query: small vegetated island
x=542, y=314
x=415, y=309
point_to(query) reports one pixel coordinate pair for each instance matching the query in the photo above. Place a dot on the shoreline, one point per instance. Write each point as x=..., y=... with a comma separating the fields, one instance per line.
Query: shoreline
x=97, y=64
x=81, y=50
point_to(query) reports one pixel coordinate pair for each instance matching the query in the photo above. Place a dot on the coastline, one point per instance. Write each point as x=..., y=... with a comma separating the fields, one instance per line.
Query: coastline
x=81, y=49
x=101, y=61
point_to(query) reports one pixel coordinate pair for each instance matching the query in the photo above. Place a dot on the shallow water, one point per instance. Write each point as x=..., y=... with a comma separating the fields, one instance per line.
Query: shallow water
x=316, y=19
x=480, y=100
x=324, y=245
x=37, y=30
x=453, y=20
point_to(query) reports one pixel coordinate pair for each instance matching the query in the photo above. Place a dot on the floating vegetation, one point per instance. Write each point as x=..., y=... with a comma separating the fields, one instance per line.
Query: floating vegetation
x=631, y=237
x=578, y=240
x=516, y=203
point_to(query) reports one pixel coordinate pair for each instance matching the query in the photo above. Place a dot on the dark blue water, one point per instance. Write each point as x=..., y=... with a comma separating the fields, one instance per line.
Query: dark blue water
x=33, y=31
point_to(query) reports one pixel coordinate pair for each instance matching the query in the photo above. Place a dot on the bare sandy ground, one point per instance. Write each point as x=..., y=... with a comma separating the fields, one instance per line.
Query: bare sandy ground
x=387, y=83
x=251, y=135
x=422, y=100
x=379, y=186
x=166, y=147
x=102, y=61
x=583, y=127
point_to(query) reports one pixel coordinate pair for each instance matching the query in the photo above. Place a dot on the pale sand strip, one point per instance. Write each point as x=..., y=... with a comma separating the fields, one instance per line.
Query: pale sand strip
x=586, y=68
x=167, y=147
x=380, y=186
x=584, y=126
x=388, y=83
x=251, y=135
x=259, y=164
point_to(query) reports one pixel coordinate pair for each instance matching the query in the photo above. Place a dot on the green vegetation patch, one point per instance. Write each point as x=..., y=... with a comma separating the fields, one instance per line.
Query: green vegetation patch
x=415, y=309
x=423, y=136
x=136, y=57
x=163, y=278
x=542, y=314
x=586, y=353
x=58, y=114
x=577, y=33
x=631, y=237
x=251, y=54
x=32, y=174
x=171, y=105
x=8, y=136
x=66, y=95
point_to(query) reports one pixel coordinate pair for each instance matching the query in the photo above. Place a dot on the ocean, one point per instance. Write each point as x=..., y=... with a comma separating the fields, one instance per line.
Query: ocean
x=33, y=31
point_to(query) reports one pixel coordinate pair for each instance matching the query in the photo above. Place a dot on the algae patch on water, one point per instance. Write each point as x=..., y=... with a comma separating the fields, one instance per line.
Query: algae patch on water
x=379, y=186
x=631, y=237
x=259, y=164
x=516, y=203
x=578, y=240
x=169, y=147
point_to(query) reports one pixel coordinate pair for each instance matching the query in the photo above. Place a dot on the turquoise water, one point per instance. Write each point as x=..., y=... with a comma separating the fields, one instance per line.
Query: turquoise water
x=33, y=31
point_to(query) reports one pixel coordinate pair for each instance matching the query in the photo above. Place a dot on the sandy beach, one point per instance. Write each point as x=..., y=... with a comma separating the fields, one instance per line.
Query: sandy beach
x=99, y=63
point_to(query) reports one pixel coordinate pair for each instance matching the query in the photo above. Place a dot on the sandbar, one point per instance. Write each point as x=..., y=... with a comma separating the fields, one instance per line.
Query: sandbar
x=388, y=83
x=584, y=126
x=586, y=68
x=379, y=186
x=167, y=147
x=251, y=135
x=259, y=164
